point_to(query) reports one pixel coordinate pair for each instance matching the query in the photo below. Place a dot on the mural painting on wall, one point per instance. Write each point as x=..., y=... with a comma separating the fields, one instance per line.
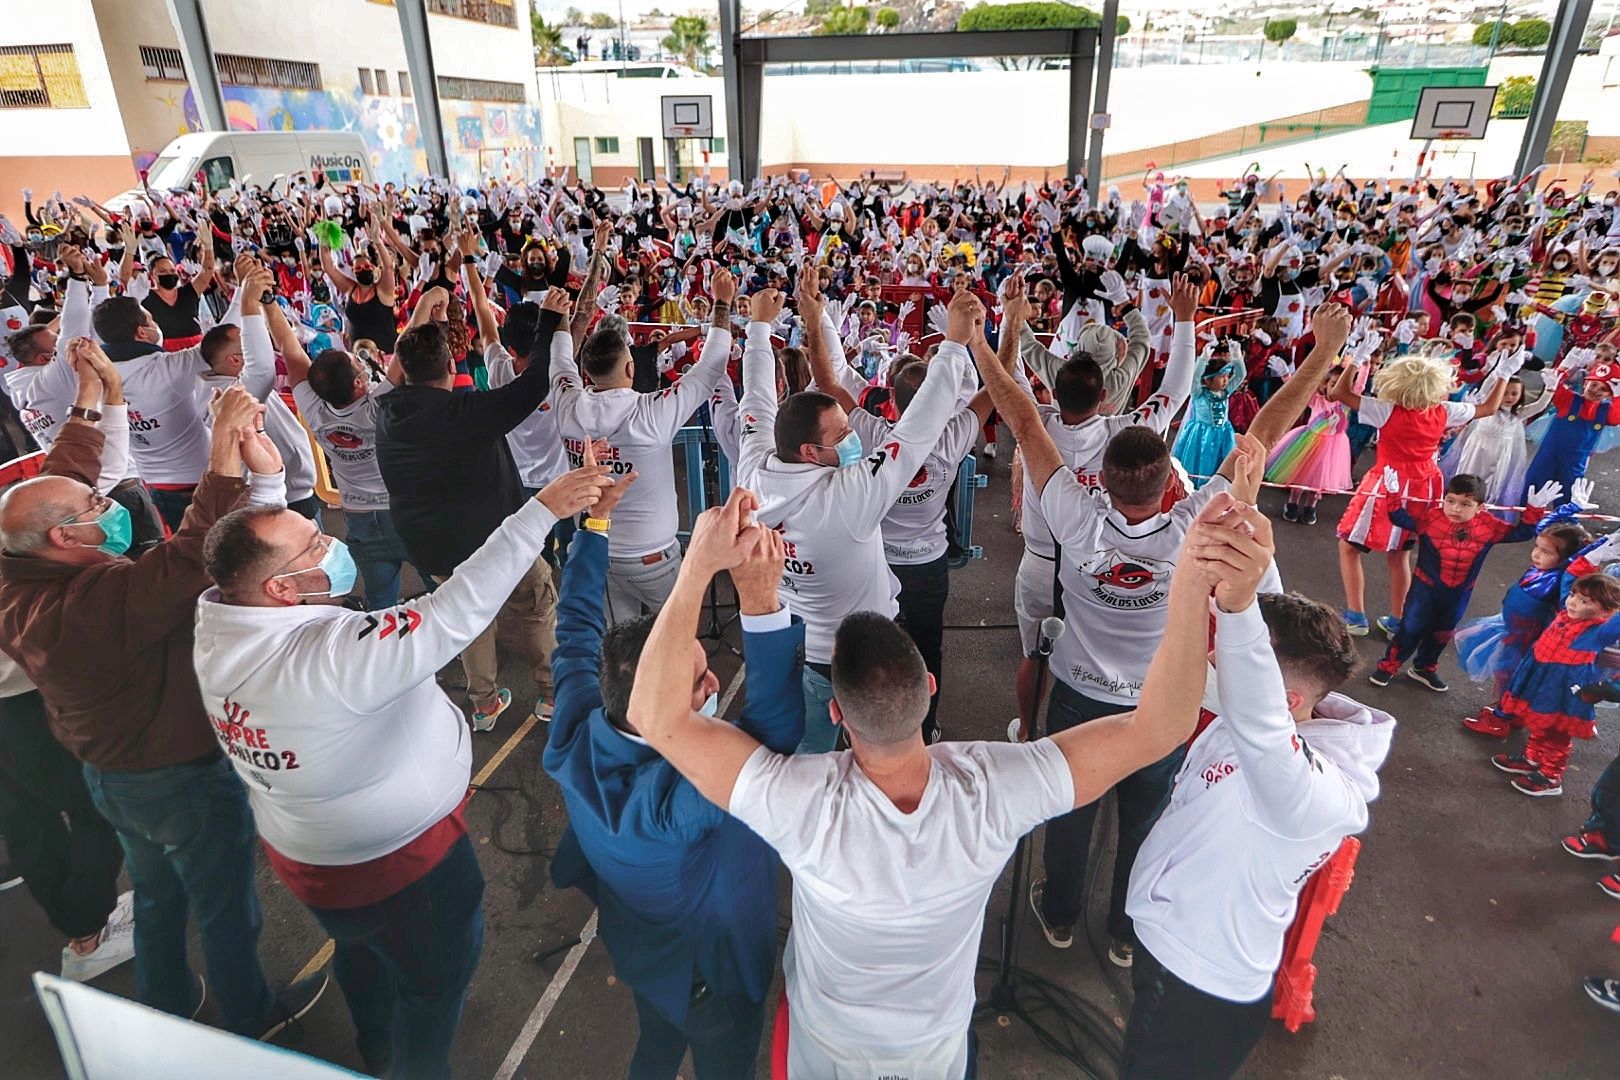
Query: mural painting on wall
x=485, y=138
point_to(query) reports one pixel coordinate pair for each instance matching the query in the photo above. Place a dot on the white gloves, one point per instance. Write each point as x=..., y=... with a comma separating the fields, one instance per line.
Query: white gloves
x=1580, y=493
x=1113, y=287
x=1545, y=495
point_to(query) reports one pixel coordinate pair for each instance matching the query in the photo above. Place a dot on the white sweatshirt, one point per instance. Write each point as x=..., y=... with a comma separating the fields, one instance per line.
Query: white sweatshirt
x=639, y=429
x=347, y=746
x=1259, y=804
x=830, y=518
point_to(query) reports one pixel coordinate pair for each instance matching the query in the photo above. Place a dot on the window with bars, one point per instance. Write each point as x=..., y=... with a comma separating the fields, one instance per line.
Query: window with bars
x=493, y=12
x=459, y=89
x=262, y=71
x=40, y=77
x=404, y=84
x=162, y=64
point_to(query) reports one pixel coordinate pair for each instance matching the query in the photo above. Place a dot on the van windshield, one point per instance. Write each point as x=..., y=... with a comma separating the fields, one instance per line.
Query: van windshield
x=170, y=172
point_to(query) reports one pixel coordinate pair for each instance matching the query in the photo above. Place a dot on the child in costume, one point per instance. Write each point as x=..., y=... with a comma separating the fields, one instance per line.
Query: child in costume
x=1545, y=693
x=1207, y=436
x=1583, y=406
x=1492, y=647
x=1314, y=457
x=1410, y=408
x=1453, y=540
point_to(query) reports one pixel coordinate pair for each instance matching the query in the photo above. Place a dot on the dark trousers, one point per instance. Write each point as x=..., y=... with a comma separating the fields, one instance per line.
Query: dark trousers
x=1605, y=817
x=924, y=588
x=1178, y=1032
x=66, y=852
x=723, y=1033
x=1141, y=798
x=1428, y=622
x=172, y=504
x=188, y=839
x=404, y=964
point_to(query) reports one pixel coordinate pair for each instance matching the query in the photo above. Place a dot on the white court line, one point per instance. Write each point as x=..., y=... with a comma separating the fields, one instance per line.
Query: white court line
x=565, y=973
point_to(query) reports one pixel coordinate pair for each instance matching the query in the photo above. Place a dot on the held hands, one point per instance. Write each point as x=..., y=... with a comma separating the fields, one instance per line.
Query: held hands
x=1545, y=495
x=1183, y=298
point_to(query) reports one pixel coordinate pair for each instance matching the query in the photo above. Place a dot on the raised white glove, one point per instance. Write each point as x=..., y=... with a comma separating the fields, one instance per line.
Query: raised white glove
x=1580, y=493
x=1112, y=287
x=1544, y=496
x=1392, y=480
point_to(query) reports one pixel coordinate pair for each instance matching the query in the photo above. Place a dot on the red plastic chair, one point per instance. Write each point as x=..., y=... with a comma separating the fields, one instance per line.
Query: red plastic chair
x=24, y=468
x=1296, y=977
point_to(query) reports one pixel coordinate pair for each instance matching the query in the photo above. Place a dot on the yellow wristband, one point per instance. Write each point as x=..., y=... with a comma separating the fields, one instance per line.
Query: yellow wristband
x=600, y=525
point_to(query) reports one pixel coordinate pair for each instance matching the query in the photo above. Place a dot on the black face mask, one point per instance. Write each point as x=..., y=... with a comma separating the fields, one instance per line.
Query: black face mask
x=168, y=281
x=365, y=277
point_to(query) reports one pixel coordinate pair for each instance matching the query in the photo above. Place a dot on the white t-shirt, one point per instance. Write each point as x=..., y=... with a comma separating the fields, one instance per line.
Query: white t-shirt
x=888, y=906
x=536, y=444
x=349, y=437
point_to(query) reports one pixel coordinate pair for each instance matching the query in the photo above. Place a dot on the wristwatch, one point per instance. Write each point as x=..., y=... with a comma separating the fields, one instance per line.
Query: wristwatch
x=83, y=413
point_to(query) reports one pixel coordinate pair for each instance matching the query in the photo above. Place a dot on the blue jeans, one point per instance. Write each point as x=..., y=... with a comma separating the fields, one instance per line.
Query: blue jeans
x=378, y=553
x=188, y=840
x=723, y=1033
x=1141, y=799
x=404, y=964
x=820, y=735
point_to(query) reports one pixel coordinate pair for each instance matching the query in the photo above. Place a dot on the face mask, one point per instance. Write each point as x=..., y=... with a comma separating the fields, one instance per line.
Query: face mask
x=338, y=566
x=365, y=277
x=849, y=450
x=711, y=706
x=115, y=527
x=168, y=281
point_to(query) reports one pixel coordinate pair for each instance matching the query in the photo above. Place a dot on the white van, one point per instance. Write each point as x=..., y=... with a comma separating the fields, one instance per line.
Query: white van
x=223, y=156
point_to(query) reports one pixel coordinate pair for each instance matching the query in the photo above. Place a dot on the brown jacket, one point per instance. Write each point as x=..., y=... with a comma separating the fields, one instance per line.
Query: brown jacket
x=109, y=645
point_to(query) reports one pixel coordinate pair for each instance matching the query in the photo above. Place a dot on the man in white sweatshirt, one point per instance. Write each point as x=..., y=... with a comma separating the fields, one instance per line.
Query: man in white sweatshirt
x=643, y=554
x=355, y=762
x=1270, y=787
x=828, y=497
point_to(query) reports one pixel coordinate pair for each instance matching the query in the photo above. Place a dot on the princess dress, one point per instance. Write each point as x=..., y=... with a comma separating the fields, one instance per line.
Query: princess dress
x=1315, y=455
x=1495, y=449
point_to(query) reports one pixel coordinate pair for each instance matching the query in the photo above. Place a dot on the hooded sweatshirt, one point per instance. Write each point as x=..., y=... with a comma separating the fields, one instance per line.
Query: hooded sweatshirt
x=1260, y=803
x=831, y=519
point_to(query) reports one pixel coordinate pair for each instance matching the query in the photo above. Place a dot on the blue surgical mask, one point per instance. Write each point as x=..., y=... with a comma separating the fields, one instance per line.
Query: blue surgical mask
x=337, y=564
x=116, y=529
x=711, y=706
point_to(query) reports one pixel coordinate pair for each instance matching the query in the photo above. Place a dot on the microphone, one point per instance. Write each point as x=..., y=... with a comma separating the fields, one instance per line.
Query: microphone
x=1052, y=628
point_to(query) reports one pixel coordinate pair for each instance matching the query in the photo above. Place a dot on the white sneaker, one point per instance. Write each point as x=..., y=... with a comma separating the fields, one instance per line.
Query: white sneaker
x=117, y=945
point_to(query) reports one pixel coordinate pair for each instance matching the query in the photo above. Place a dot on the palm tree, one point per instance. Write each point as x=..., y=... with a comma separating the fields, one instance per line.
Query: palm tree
x=548, y=42
x=688, y=37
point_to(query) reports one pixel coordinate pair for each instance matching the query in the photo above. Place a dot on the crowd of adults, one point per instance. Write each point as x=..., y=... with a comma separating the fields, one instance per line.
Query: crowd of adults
x=198, y=668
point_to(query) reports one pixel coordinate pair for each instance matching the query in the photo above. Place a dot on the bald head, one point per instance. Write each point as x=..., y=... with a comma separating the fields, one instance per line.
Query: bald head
x=32, y=512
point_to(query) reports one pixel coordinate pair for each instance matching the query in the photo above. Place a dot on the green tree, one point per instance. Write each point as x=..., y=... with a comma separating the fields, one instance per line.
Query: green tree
x=1515, y=96
x=688, y=38
x=888, y=18
x=1028, y=15
x=1122, y=26
x=1278, y=31
x=1483, y=32
x=548, y=41
x=1531, y=33
x=601, y=20
x=845, y=21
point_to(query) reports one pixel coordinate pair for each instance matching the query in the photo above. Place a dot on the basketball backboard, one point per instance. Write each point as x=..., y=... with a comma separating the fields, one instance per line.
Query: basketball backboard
x=688, y=116
x=1453, y=112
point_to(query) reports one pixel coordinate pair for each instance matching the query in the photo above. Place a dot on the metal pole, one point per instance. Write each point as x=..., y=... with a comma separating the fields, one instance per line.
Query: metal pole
x=1105, y=70
x=1569, y=24
x=192, y=28
x=413, y=28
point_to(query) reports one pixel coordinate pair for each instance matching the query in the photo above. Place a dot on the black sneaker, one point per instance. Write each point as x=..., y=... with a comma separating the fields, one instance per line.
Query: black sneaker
x=1380, y=677
x=1606, y=992
x=293, y=1002
x=1307, y=515
x=1430, y=678
x=1290, y=512
x=1059, y=937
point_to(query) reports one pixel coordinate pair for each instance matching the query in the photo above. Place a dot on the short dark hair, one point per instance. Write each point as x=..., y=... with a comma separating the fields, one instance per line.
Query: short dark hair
x=424, y=353
x=879, y=679
x=1467, y=485
x=798, y=421
x=27, y=343
x=1136, y=467
x=906, y=384
x=1310, y=640
x=1567, y=537
x=117, y=319
x=233, y=552
x=1601, y=589
x=522, y=321
x=217, y=341
x=602, y=353
x=331, y=376
x=1078, y=388
x=616, y=670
